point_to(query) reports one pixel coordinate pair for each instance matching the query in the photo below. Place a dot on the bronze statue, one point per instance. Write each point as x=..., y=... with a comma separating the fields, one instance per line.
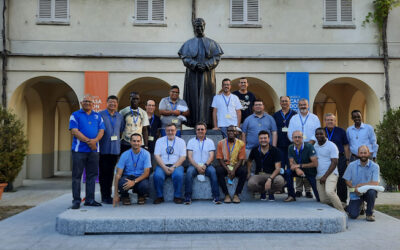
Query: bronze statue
x=200, y=55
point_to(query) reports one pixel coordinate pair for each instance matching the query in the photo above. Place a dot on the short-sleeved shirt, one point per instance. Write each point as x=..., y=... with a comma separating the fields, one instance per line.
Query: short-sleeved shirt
x=201, y=149
x=226, y=109
x=167, y=104
x=231, y=152
x=155, y=124
x=325, y=154
x=114, y=125
x=178, y=145
x=254, y=124
x=265, y=162
x=337, y=136
x=303, y=156
x=365, y=135
x=135, y=120
x=89, y=126
x=356, y=173
x=247, y=102
x=283, y=121
x=134, y=164
x=307, y=125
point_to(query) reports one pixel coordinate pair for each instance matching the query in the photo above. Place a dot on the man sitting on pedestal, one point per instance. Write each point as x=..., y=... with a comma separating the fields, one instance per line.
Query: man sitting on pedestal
x=268, y=166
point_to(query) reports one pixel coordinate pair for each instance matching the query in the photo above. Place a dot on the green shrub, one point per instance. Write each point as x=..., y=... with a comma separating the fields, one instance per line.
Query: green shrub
x=13, y=146
x=388, y=136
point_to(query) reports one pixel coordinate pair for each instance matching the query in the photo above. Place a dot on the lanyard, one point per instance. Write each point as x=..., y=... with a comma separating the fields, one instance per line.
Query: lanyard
x=112, y=121
x=201, y=149
x=151, y=124
x=303, y=123
x=286, y=117
x=137, y=160
x=227, y=102
x=171, y=103
x=133, y=116
x=168, y=149
x=330, y=135
x=298, y=154
x=227, y=144
x=265, y=157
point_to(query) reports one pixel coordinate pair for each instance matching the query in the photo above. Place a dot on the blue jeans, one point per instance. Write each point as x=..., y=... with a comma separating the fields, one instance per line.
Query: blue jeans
x=141, y=188
x=177, y=180
x=81, y=161
x=354, y=206
x=288, y=173
x=210, y=172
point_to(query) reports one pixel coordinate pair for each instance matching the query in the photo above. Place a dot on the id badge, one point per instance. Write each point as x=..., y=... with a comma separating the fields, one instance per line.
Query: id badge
x=200, y=164
x=150, y=138
x=230, y=167
x=285, y=129
x=114, y=138
x=228, y=116
x=262, y=173
x=175, y=121
x=304, y=137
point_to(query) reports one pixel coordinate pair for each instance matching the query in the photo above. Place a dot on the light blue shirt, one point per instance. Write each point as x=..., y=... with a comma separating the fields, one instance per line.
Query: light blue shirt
x=356, y=173
x=134, y=164
x=254, y=124
x=307, y=124
x=365, y=135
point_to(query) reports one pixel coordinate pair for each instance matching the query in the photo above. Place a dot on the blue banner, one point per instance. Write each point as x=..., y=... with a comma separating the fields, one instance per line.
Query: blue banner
x=297, y=87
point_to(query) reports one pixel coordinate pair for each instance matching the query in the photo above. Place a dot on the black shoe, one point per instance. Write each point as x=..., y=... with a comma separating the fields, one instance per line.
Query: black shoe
x=107, y=201
x=309, y=195
x=299, y=194
x=92, y=204
x=158, y=200
x=76, y=206
x=178, y=200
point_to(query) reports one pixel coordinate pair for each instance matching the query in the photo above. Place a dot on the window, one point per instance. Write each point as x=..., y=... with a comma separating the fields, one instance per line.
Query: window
x=338, y=13
x=149, y=11
x=53, y=12
x=245, y=13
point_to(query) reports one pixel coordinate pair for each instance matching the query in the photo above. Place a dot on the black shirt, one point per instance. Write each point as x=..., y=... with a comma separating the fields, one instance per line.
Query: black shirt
x=283, y=140
x=247, y=101
x=337, y=136
x=265, y=162
x=154, y=126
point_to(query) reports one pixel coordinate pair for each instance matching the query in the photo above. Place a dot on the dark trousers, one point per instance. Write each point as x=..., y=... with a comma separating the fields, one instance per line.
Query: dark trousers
x=354, y=206
x=288, y=173
x=81, y=161
x=341, y=187
x=107, y=164
x=141, y=188
x=312, y=181
x=240, y=173
x=125, y=146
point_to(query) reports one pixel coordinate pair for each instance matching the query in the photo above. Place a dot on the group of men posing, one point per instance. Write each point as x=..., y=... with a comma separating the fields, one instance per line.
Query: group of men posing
x=285, y=145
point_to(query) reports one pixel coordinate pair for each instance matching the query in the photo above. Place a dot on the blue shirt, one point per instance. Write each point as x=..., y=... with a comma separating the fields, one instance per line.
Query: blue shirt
x=337, y=136
x=361, y=174
x=254, y=124
x=365, y=135
x=283, y=140
x=114, y=126
x=134, y=164
x=88, y=125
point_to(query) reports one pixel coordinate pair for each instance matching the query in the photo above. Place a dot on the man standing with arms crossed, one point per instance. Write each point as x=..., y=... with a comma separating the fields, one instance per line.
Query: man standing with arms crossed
x=246, y=98
x=87, y=127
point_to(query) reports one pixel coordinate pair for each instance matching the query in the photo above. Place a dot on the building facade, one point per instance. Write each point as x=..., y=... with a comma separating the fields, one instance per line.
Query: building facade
x=54, y=45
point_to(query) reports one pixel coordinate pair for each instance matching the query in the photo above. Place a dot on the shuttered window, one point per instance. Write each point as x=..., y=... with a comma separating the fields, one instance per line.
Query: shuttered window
x=245, y=11
x=150, y=11
x=53, y=11
x=338, y=12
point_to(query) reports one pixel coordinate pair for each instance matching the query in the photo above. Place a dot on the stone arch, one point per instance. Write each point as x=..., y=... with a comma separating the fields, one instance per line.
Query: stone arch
x=148, y=88
x=262, y=90
x=39, y=101
x=342, y=95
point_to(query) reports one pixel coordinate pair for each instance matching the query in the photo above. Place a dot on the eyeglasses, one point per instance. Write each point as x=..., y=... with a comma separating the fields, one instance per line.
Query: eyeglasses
x=200, y=129
x=231, y=131
x=175, y=92
x=297, y=137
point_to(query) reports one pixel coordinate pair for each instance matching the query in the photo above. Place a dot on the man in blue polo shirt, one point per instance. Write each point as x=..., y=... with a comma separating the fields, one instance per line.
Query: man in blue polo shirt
x=110, y=145
x=360, y=173
x=133, y=170
x=87, y=127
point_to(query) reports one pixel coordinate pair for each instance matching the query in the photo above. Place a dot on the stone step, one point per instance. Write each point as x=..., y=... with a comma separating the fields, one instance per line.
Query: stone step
x=204, y=217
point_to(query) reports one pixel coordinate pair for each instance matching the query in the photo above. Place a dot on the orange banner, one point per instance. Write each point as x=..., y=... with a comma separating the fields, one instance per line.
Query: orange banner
x=96, y=84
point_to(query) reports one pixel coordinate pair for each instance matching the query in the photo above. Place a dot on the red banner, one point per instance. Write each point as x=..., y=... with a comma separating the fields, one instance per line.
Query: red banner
x=96, y=84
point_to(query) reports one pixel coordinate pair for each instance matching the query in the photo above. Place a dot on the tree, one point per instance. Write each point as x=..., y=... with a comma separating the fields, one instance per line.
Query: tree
x=388, y=135
x=380, y=16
